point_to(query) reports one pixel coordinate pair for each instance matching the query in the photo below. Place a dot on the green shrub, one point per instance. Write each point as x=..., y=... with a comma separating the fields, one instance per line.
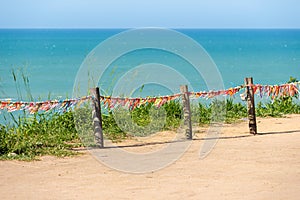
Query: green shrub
x=278, y=107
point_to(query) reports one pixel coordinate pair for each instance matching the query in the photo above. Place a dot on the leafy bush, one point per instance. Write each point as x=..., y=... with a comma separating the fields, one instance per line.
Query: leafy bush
x=174, y=114
x=278, y=107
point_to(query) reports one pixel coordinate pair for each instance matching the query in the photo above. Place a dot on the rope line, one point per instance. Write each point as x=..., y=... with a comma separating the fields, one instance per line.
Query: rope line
x=273, y=91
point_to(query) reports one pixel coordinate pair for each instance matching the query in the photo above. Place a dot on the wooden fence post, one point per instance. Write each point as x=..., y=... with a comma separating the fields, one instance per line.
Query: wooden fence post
x=186, y=112
x=97, y=119
x=251, y=105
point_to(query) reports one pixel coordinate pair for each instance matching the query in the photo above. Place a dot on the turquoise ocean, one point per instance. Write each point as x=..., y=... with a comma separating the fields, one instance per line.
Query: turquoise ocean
x=50, y=58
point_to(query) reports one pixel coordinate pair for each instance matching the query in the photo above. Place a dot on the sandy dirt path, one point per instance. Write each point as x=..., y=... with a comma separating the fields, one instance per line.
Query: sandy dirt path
x=241, y=166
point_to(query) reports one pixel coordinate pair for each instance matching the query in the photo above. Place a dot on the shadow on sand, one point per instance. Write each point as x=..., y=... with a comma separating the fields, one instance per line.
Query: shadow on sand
x=204, y=138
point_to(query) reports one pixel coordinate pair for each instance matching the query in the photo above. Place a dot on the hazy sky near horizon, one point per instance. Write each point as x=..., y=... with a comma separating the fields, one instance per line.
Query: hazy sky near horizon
x=151, y=13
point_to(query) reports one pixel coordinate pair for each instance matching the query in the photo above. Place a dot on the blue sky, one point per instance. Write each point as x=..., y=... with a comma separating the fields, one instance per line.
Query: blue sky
x=151, y=13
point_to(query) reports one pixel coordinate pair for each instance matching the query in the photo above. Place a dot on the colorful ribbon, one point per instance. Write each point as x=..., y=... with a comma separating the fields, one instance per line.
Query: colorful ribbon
x=212, y=94
x=132, y=103
x=33, y=107
x=273, y=91
x=290, y=89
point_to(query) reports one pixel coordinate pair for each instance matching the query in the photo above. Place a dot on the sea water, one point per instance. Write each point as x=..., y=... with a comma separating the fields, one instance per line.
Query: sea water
x=51, y=58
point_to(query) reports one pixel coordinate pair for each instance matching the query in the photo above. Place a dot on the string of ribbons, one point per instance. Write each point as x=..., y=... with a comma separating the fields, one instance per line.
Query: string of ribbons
x=33, y=107
x=273, y=91
x=108, y=102
x=132, y=103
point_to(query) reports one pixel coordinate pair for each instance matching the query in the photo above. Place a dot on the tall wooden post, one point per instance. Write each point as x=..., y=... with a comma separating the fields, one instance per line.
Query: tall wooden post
x=186, y=112
x=251, y=105
x=97, y=119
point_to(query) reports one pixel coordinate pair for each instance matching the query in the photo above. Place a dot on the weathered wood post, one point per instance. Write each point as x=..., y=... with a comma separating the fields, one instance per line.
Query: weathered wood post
x=186, y=111
x=97, y=119
x=251, y=105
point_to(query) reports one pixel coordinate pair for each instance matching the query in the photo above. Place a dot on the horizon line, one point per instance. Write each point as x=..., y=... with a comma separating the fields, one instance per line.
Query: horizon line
x=180, y=28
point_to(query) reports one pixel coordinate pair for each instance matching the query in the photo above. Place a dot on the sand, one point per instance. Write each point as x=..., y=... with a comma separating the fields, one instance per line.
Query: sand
x=241, y=166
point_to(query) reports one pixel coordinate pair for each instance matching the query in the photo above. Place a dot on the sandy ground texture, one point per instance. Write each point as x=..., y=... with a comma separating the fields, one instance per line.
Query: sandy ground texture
x=241, y=166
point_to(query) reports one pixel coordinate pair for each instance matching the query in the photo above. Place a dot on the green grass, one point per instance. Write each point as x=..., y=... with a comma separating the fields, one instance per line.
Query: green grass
x=37, y=135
